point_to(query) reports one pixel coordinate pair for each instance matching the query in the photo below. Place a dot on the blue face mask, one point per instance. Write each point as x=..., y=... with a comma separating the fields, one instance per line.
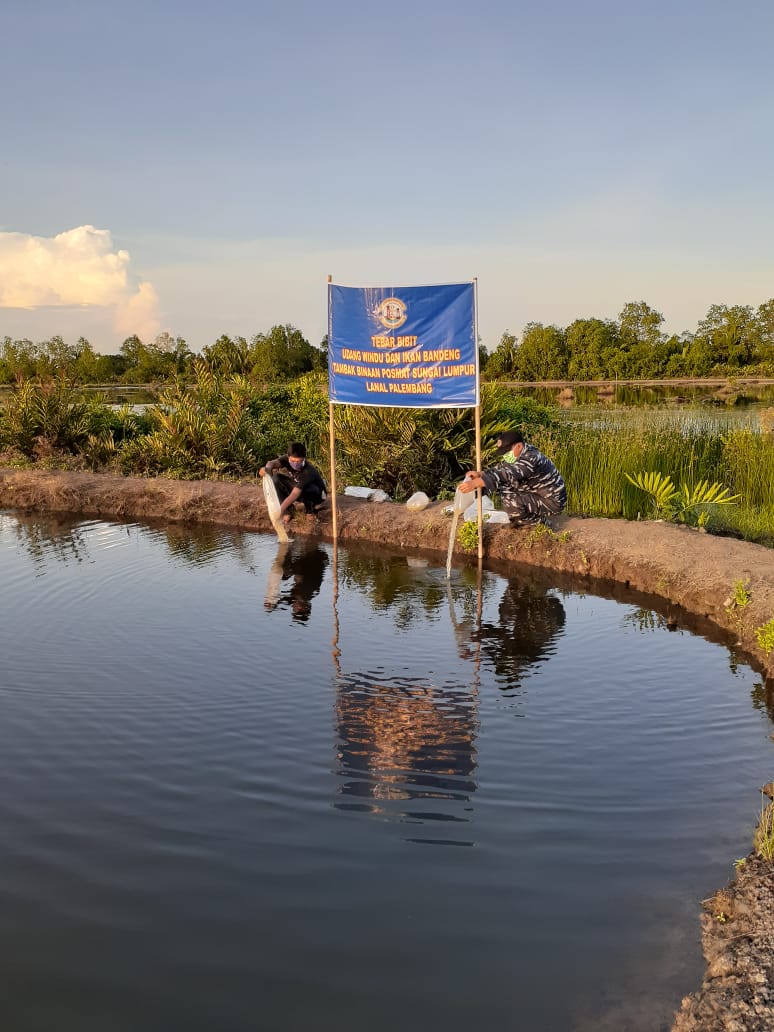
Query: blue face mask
x=296, y=463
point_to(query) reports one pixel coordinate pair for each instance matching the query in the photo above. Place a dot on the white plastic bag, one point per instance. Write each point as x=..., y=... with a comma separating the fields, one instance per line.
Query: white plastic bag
x=471, y=513
x=417, y=502
x=359, y=492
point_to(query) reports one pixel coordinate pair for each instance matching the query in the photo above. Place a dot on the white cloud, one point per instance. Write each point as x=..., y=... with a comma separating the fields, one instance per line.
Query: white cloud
x=139, y=313
x=76, y=268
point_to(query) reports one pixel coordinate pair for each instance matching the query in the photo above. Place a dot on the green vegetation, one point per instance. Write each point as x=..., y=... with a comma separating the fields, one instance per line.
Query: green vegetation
x=729, y=341
x=223, y=414
x=596, y=460
x=281, y=353
x=741, y=597
x=467, y=534
x=684, y=504
x=765, y=636
x=41, y=419
x=739, y=600
x=203, y=430
x=407, y=450
x=763, y=840
x=542, y=532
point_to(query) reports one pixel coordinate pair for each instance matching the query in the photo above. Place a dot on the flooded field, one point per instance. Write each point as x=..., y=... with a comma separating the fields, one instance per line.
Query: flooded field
x=248, y=787
x=691, y=408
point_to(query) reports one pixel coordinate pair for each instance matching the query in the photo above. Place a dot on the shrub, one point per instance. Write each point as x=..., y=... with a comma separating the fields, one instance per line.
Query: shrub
x=49, y=412
x=204, y=430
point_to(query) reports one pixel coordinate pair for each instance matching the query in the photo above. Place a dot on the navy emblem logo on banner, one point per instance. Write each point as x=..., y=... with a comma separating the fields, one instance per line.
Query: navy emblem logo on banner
x=392, y=313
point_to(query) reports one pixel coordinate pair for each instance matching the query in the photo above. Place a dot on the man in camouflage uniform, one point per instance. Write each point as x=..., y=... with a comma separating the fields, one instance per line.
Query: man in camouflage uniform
x=530, y=486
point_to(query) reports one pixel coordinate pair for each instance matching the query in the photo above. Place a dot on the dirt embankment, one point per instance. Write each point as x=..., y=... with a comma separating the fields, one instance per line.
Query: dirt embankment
x=691, y=577
x=737, y=993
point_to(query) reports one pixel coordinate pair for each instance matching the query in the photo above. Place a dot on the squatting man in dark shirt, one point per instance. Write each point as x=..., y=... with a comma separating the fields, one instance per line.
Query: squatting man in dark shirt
x=296, y=480
x=530, y=486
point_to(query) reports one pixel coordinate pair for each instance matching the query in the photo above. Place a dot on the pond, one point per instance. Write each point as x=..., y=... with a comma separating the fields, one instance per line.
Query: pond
x=253, y=788
x=137, y=398
x=689, y=409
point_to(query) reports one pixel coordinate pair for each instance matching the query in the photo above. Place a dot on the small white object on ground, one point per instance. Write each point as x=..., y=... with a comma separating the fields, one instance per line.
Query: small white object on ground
x=377, y=495
x=417, y=502
x=471, y=512
x=359, y=492
x=487, y=508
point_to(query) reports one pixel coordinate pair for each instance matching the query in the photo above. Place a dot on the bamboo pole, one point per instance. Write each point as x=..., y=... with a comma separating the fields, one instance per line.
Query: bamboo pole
x=479, y=492
x=332, y=445
x=332, y=439
x=335, y=650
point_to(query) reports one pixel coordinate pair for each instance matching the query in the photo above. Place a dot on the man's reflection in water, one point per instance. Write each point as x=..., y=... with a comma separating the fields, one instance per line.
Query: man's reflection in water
x=529, y=620
x=295, y=578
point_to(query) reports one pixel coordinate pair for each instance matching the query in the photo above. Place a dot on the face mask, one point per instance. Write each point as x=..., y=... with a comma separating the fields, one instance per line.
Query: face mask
x=509, y=458
x=296, y=463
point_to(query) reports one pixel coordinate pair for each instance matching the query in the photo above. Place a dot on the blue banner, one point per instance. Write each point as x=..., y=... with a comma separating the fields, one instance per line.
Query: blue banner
x=411, y=347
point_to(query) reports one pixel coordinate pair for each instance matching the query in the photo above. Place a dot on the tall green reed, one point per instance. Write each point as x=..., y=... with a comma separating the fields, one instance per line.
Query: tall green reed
x=594, y=461
x=747, y=466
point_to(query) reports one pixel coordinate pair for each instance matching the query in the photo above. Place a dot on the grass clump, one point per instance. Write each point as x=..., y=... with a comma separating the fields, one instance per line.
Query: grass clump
x=467, y=534
x=765, y=636
x=738, y=600
x=763, y=840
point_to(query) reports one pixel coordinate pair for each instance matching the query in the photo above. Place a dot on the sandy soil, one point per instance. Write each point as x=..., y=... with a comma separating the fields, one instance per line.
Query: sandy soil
x=686, y=575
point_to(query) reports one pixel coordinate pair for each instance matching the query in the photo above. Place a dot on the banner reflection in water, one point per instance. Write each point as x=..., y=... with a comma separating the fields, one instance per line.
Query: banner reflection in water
x=413, y=741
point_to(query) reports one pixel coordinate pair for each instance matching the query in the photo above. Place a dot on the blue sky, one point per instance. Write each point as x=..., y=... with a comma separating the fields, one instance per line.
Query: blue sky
x=572, y=156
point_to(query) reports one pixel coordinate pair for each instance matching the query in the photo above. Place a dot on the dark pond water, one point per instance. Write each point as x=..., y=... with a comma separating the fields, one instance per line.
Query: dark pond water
x=240, y=793
x=691, y=409
x=728, y=395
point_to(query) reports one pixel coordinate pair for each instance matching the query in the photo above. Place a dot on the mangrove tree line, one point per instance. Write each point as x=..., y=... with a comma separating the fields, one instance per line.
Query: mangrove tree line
x=729, y=341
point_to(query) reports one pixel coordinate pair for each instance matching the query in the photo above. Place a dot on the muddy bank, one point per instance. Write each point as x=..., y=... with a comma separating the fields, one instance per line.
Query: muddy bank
x=737, y=993
x=690, y=576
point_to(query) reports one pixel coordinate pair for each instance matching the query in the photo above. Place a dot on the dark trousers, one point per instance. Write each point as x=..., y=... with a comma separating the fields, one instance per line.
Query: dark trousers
x=312, y=496
x=527, y=509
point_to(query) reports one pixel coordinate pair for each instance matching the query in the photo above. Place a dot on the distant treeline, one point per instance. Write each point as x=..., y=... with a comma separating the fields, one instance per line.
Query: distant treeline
x=279, y=355
x=729, y=341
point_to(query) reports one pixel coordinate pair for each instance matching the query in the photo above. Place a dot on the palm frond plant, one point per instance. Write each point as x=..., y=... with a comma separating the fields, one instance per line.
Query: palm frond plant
x=660, y=489
x=50, y=412
x=406, y=450
x=294, y=411
x=689, y=504
x=204, y=429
